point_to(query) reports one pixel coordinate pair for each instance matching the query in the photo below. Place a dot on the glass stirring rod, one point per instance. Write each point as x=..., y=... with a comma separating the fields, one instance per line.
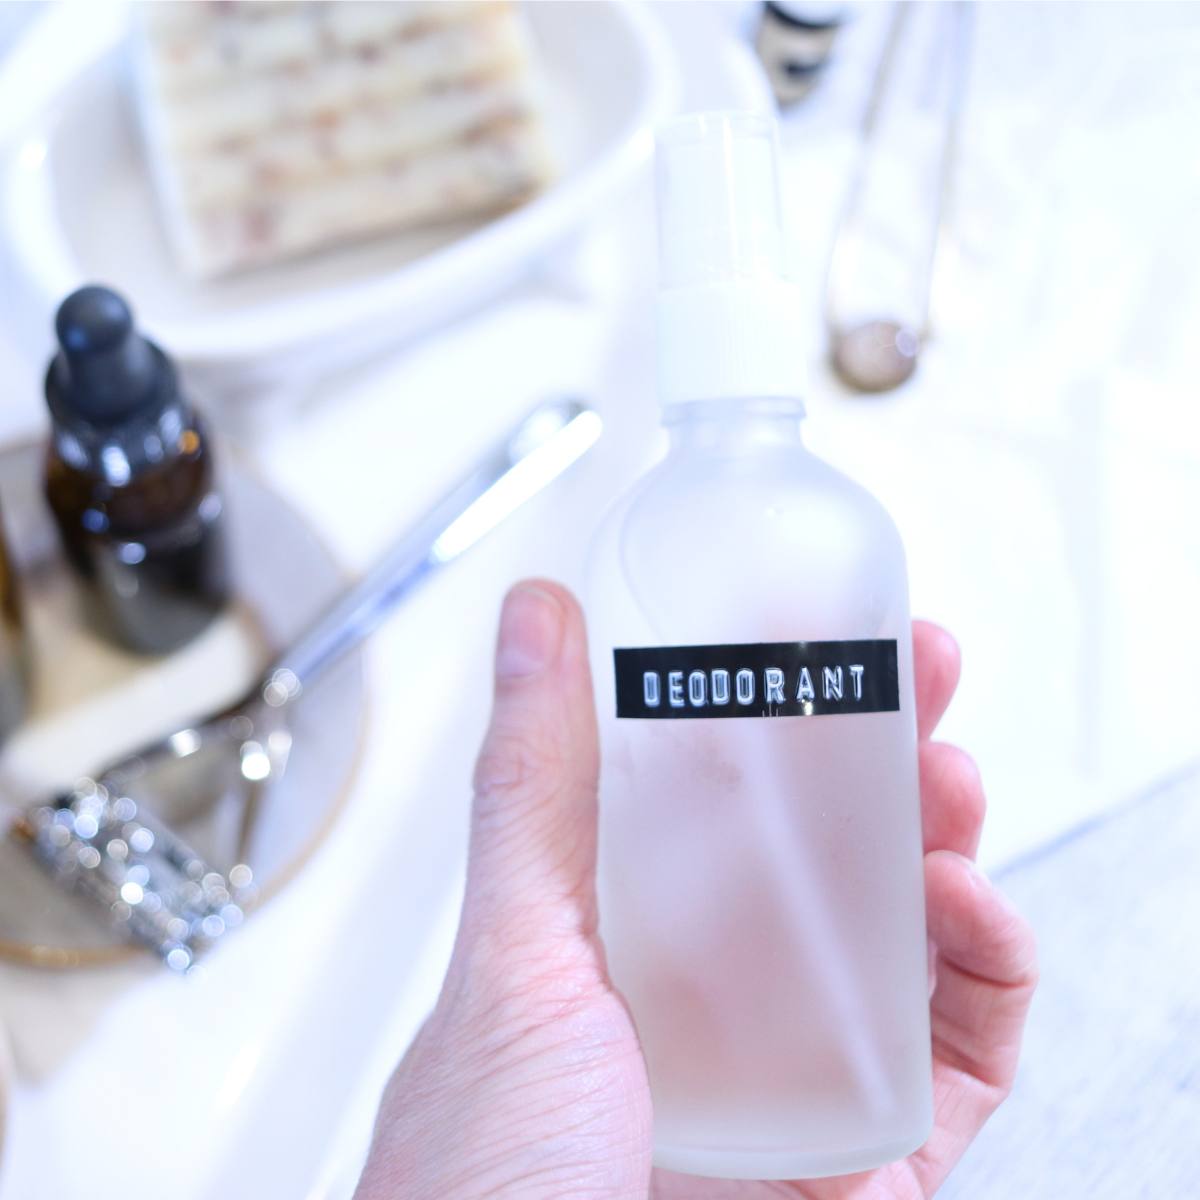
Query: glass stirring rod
x=882, y=265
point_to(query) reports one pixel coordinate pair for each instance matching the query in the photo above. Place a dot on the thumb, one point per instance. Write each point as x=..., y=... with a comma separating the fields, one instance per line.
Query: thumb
x=531, y=872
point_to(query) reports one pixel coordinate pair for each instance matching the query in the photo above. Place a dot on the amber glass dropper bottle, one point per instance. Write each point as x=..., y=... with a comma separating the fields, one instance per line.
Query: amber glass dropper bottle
x=129, y=478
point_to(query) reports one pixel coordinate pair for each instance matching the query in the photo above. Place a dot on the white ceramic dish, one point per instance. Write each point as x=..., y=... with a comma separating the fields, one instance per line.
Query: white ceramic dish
x=91, y=702
x=76, y=201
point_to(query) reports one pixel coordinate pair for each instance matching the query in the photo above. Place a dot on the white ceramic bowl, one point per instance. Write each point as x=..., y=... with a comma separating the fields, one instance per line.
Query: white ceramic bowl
x=76, y=201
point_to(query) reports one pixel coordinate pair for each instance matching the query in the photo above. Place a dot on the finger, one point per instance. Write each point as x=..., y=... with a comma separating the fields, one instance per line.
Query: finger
x=936, y=666
x=952, y=799
x=533, y=829
x=987, y=971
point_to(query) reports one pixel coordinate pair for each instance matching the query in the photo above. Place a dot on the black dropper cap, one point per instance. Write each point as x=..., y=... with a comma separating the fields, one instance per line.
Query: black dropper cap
x=105, y=371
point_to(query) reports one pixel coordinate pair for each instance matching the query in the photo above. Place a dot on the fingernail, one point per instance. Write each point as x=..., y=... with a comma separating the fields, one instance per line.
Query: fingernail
x=531, y=626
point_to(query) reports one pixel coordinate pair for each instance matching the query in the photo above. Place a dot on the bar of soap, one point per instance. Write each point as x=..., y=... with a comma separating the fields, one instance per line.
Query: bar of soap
x=276, y=129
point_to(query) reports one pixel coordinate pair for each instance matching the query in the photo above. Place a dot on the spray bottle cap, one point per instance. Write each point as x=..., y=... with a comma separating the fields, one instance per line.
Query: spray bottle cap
x=729, y=314
x=105, y=370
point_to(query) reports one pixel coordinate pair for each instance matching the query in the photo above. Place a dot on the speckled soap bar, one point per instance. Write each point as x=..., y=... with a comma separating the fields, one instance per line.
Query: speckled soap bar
x=275, y=129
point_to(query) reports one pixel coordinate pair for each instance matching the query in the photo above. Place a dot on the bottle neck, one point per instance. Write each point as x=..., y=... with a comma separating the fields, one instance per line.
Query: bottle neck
x=105, y=436
x=734, y=425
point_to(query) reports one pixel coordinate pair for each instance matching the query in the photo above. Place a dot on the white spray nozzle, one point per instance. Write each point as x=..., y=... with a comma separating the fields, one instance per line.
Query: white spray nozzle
x=729, y=314
x=719, y=213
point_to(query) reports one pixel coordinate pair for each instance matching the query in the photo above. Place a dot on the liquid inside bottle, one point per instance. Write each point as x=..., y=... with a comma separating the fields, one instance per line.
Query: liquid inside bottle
x=760, y=870
x=150, y=553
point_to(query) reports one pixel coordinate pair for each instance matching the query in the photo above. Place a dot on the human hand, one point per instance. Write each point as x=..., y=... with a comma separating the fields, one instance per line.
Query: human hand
x=528, y=1081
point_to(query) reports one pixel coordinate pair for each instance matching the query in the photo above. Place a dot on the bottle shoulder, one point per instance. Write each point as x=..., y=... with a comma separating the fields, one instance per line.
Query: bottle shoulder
x=788, y=490
x=763, y=534
x=134, y=496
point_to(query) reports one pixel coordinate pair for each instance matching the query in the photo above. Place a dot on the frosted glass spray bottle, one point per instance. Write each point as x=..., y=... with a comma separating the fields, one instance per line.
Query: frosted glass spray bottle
x=760, y=884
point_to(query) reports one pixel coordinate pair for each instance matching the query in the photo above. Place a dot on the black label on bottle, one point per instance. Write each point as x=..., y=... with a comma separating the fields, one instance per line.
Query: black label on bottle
x=760, y=679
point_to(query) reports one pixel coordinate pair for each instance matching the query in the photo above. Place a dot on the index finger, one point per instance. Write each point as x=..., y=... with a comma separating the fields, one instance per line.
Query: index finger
x=937, y=664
